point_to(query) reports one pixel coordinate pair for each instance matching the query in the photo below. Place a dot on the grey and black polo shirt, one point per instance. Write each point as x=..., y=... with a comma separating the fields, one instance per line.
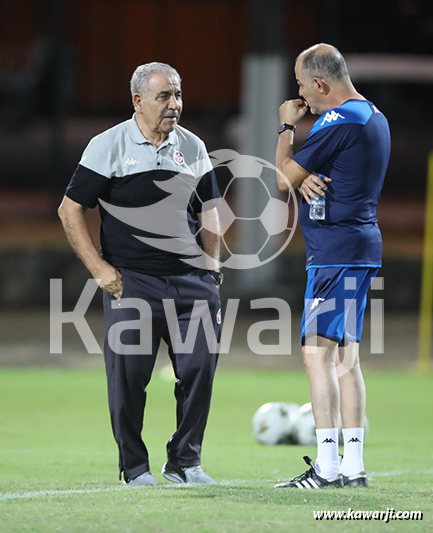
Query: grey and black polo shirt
x=122, y=168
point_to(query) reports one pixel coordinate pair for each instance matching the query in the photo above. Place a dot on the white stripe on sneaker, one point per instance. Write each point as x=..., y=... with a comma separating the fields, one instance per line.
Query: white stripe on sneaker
x=314, y=484
x=299, y=485
x=306, y=485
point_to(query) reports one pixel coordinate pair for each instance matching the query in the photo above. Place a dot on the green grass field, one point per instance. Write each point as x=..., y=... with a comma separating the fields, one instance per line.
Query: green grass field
x=58, y=458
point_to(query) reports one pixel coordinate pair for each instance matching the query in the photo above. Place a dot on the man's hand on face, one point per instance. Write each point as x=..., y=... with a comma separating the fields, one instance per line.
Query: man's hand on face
x=292, y=111
x=111, y=280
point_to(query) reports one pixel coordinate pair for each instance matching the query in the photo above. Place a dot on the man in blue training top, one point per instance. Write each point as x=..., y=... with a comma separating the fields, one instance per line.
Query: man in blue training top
x=350, y=145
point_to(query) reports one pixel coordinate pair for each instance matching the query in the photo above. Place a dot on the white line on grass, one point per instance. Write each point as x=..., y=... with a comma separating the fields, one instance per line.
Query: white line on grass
x=47, y=493
x=232, y=482
x=398, y=473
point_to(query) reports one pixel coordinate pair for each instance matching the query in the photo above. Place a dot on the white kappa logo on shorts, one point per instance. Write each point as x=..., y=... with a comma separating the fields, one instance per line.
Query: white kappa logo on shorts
x=178, y=158
x=219, y=316
x=316, y=302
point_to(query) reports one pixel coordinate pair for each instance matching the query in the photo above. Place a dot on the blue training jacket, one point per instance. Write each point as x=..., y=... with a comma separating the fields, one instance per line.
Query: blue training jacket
x=350, y=144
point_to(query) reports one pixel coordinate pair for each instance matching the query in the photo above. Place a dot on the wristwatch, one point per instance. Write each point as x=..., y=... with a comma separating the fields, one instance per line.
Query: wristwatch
x=283, y=127
x=217, y=276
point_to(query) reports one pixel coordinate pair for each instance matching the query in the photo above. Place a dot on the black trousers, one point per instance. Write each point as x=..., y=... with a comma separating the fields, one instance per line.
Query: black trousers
x=128, y=374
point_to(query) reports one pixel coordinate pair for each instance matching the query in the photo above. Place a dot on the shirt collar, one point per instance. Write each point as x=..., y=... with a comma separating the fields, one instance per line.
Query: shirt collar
x=139, y=138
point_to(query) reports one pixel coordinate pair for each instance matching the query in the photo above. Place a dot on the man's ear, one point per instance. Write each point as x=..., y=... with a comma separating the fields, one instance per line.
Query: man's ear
x=136, y=101
x=321, y=85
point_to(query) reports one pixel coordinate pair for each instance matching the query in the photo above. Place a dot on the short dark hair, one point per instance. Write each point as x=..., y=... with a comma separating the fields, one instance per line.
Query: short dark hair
x=328, y=64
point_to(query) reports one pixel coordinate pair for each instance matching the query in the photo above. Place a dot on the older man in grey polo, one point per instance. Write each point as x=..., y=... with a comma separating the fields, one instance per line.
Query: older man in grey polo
x=141, y=172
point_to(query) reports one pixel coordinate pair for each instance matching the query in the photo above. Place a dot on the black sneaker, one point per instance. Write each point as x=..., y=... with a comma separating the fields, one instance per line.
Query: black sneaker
x=310, y=480
x=358, y=480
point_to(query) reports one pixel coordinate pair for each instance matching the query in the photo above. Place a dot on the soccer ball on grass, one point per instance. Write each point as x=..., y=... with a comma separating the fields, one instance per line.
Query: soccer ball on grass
x=273, y=423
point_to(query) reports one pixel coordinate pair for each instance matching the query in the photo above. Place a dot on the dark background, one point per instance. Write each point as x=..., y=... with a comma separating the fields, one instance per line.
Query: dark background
x=63, y=60
x=65, y=68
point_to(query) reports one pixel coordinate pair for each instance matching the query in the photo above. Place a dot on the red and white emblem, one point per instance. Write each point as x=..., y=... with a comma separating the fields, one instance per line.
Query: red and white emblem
x=178, y=158
x=219, y=316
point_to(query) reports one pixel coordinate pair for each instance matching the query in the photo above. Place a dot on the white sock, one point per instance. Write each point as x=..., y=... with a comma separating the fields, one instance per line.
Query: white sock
x=327, y=462
x=353, y=462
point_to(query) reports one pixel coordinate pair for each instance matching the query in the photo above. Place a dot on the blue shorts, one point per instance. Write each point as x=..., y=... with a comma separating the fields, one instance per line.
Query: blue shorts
x=335, y=301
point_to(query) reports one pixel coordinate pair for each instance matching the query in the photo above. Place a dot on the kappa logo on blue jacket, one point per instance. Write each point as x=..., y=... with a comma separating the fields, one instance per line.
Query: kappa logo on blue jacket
x=331, y=116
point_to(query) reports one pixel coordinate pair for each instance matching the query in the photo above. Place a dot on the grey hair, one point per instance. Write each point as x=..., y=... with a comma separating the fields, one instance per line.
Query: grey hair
x=142, y=74
x=327, y=63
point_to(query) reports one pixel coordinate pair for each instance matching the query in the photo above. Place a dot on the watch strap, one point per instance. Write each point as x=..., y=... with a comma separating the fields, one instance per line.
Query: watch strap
x=284, y=126
x=217, y=276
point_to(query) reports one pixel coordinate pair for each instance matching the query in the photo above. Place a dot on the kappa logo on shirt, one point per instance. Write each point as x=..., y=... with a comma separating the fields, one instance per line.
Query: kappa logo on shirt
x=130, y=161
x=331, y=116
